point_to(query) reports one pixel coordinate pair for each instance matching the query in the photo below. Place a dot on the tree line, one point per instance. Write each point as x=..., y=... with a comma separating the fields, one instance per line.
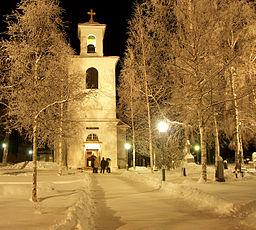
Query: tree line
x=192, y=64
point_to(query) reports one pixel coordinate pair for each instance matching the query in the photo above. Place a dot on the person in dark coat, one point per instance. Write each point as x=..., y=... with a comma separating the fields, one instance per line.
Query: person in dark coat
x=102, y=165
x=108, y=165
x=92, y=164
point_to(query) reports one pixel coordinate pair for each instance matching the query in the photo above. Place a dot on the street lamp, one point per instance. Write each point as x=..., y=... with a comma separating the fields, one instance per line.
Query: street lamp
x=5, y=153
x=30, y=152
x=162, y=128
x=197, y=148
x=127, y=147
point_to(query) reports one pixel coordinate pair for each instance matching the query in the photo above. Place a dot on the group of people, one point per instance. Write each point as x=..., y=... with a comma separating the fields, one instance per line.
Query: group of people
x=104, y=165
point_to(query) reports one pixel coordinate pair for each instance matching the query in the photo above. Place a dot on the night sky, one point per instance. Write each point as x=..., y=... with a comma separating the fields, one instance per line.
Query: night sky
x=113, y=13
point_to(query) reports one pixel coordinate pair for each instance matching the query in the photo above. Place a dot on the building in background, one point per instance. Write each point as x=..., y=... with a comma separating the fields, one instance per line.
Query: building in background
x=99, y=132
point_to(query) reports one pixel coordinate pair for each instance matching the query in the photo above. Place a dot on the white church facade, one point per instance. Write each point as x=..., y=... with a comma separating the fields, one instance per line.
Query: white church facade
x=100, y=133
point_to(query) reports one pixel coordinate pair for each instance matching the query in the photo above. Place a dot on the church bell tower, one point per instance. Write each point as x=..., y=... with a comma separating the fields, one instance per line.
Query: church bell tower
x=91, y=36
x=99, y=130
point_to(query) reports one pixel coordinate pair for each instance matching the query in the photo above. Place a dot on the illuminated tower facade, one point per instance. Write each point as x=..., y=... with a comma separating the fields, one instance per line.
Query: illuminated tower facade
x=99, y=132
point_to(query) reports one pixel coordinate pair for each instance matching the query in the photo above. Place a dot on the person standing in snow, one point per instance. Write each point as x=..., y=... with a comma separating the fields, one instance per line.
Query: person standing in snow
x=108, y=165
x=92, y=164
x=96, y=165
x=102, y=165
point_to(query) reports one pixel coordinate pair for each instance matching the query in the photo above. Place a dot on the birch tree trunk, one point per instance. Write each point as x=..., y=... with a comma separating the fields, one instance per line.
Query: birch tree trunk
x=217, y=143
x=34, y=183
x=203, y=146
x=200, y=107
x=133, y=129
x=60, y=141
x=242, y=152
x=237, y=127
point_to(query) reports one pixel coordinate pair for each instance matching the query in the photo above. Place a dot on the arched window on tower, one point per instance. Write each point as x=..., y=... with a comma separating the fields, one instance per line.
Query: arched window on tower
x=91, y=44
x=92, y=78
x=92, y=137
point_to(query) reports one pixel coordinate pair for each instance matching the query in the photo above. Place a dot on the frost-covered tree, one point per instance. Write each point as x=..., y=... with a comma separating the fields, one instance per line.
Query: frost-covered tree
x=128, y=91
x=237, y=24
x=141, y=45
x=150, y=30
x=187, y=64
x=195, y=67
x=4, y=116
x=197, y=54
x=38, y=55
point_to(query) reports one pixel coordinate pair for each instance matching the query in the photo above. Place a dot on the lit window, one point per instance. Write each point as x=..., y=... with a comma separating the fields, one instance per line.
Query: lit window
x=91, y=78
x=91, y=44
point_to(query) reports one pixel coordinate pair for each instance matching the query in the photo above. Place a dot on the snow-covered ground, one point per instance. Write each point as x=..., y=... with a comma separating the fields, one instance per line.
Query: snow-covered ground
x=236, y=196
x=66, y=201
x=63, y=200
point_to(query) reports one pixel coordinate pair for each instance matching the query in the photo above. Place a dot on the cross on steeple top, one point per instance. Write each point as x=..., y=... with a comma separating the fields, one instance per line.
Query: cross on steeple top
x=91, y=13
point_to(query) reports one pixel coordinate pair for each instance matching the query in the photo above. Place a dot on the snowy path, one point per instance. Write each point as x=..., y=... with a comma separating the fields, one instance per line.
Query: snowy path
x=126, y=205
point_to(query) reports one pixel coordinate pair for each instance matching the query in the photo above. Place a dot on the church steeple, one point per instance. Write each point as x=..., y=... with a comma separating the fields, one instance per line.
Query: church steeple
x=98, y=124
x=91, y=35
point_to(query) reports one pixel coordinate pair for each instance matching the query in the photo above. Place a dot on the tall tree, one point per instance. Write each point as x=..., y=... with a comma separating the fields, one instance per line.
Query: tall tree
x=38, y=56
x=140, y=42
x=4, y=117
x=127, y=88
x=194, y=45
x=237, y=23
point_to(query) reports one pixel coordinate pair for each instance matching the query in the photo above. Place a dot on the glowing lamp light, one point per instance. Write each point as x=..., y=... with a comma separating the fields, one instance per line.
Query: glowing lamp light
x=197, y=147
x=127, y=146
x=162, y=127
x=4, y=145
x=30, y=152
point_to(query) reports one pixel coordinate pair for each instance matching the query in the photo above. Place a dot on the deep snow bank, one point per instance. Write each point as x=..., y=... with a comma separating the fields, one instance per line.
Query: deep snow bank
x=79, y=216
x=200, y=198
x=184, y=189
x=29, y=165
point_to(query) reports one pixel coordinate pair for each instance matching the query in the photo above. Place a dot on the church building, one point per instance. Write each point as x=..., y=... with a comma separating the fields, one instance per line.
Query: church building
x=100, y=133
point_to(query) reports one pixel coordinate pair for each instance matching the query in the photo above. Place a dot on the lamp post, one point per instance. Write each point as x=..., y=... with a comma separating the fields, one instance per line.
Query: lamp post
x=30, y=152
x=127, y=147
x=5, y=153
x=162, y=128
x=197, y=148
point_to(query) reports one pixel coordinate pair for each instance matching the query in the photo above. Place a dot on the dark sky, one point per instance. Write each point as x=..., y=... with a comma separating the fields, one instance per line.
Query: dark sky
x=113, y=13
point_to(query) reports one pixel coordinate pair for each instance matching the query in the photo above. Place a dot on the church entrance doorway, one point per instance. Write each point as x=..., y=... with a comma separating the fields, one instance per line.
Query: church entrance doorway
x=92, y=152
